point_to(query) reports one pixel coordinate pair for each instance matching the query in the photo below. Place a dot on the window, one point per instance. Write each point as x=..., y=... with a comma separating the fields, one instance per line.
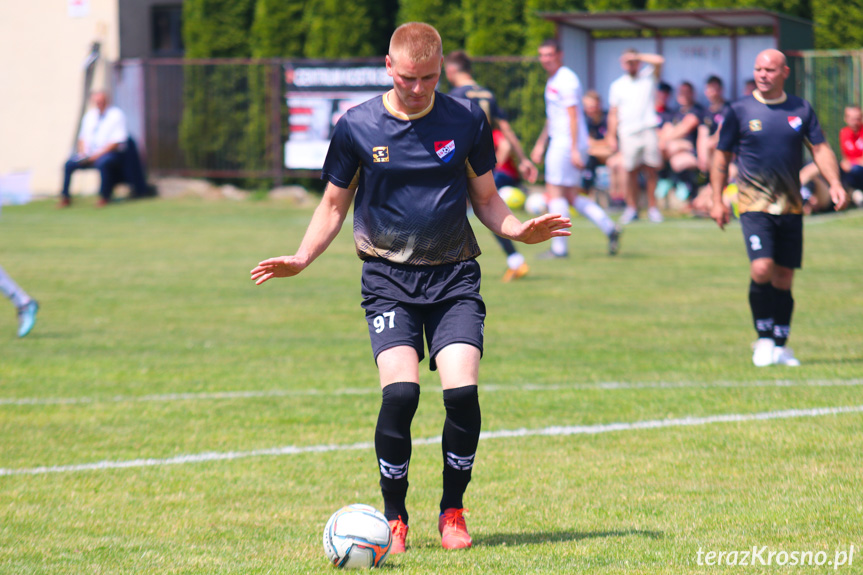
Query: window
x=167, y=30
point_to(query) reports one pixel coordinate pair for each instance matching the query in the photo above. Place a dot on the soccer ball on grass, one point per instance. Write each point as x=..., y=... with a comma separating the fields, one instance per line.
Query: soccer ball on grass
x=357, y=537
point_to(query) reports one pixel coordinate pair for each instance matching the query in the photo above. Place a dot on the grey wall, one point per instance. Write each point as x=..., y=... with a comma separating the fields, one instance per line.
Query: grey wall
x=135, y=26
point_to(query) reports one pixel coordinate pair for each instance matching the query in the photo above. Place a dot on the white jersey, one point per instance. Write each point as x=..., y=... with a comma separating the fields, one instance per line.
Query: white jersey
x=562, y=91
x=634, y=99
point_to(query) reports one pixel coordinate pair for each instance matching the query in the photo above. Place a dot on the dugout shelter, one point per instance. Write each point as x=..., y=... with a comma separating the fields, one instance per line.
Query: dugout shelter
x=695, y=43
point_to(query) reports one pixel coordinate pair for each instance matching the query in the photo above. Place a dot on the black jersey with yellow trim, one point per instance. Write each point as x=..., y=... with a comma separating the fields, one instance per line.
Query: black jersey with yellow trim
x=768, y=137
x=411, y=177
x=482, y=96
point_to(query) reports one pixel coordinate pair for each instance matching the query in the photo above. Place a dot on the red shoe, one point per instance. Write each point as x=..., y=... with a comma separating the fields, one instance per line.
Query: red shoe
x=400, y=535
x=453, y=529
x=101, y=203
x=64, y=203
x=515, y=274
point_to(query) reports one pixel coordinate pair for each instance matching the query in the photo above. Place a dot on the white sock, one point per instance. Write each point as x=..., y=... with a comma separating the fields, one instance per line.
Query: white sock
x=514, y=261
x=592, y=211
x=559, y=245
x=11, y=290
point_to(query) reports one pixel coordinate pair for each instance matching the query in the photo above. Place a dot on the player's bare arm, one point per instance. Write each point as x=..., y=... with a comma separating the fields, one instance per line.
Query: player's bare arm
x=539, y=148
x=611, y=134
x=324, y=227
x=575, y=154
x=496, y=216
x=718, y=180
x=526, y=168
x=825, y=159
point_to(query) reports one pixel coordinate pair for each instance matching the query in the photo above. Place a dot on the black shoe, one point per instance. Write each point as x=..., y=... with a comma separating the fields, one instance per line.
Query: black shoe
x=614, y=242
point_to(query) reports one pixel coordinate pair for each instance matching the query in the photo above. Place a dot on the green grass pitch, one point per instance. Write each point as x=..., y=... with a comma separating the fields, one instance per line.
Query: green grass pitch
x=141, y=421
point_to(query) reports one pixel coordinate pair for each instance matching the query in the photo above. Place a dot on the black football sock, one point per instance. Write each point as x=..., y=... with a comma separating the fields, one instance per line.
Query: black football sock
x=460, y=438
x=393, y=445
x=761, y=302
x=783, y=307
x=506, y=244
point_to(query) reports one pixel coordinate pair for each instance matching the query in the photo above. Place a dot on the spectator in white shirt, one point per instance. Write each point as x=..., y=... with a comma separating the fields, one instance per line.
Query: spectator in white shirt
x=632, y=123
x=100, y=143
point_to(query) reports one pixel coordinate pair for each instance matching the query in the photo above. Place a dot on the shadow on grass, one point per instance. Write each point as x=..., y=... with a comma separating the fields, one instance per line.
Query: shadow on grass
x=506, y=539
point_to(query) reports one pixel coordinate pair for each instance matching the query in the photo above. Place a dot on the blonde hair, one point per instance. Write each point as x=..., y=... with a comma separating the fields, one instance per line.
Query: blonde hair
x=417, y=41
x=593, y=95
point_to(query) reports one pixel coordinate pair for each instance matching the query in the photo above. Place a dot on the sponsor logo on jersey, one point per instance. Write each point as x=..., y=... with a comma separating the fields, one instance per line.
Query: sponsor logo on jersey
x=380, y=154
x=795, y=122
x=755, y=125
x=445, y=149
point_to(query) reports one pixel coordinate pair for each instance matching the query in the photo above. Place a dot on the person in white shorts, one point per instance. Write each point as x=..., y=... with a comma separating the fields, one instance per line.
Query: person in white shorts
x=564, y=143
x=632, y=122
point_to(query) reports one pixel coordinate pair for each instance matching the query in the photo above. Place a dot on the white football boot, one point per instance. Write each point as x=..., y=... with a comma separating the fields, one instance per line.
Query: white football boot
x=763, y=352
x=784, y=355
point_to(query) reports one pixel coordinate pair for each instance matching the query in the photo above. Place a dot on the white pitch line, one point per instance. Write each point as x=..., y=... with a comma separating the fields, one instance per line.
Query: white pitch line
x=371, y=390
x=523, y=432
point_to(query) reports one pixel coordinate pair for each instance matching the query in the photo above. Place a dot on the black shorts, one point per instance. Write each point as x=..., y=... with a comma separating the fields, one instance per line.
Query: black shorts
x=779, y=238
x=404, y=302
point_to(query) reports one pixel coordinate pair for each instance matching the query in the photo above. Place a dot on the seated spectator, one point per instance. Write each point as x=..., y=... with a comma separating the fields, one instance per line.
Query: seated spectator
x=851, y=142
x=815, y=190
x=678, y=141
x=505, y=172
x=600, y=152
x=664, y=109
x=709, y=129
x=100, y=143
x=748, y=87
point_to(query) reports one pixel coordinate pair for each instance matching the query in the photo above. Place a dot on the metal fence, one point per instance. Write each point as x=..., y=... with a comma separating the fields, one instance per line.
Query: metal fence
x=205, y=118
x=229, y=118
x=830, y=80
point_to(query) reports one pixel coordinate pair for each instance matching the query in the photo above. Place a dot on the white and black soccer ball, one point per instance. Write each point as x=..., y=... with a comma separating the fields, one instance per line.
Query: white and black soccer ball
x=357, y=537
x=536, y=204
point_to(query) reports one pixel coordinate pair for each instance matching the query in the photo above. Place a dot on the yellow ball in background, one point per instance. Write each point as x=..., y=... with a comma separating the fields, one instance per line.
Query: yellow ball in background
x=512, y=197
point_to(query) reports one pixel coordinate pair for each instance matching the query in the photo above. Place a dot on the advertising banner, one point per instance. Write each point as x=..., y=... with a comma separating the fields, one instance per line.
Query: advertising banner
x=318, y=93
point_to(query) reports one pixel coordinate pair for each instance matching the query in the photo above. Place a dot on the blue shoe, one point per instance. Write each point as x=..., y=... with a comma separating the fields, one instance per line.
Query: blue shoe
x=27, y=317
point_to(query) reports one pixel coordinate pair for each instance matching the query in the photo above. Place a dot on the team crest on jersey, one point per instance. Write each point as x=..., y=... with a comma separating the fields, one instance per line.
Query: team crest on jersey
x=755, y=125
x=795, y=122
x=380, y=154
x=445, y=149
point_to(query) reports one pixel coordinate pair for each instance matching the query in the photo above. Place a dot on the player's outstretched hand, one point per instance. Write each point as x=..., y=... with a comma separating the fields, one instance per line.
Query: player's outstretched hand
x=544, y=228
x=281, y=267
x=720, y=214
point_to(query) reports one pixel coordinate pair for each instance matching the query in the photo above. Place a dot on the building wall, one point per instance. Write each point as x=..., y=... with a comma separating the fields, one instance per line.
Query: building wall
x=42, y=52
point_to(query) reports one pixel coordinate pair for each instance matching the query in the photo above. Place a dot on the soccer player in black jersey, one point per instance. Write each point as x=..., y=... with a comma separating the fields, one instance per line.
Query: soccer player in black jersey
x=458, y=71
x=767, y=131
x=409, y=160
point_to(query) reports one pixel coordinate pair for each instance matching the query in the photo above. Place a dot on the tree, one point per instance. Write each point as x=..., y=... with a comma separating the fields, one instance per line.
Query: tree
x=216, y=29
x=337, y=29
x=276, y=30
x=446, y=16
x=493, y=27
x=538, y=28
x=838, y=25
